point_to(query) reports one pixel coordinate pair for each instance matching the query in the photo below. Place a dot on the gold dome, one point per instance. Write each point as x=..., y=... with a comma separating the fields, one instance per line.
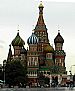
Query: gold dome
x=48, y=49
x=41, y=5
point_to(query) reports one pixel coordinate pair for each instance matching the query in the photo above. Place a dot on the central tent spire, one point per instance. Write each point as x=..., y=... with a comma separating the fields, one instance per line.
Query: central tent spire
x=40, y=19
x=40, y=29
x=41, y=8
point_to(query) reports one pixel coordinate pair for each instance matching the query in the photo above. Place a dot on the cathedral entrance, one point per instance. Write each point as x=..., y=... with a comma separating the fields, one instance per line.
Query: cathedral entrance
x=32, y=82
x=54, y=81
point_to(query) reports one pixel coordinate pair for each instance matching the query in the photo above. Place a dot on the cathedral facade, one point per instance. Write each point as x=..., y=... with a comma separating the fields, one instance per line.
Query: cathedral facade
x=40, y=57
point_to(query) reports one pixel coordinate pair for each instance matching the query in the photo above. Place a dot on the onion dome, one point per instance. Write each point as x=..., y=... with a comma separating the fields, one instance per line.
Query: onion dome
x=58, y=39
x=23, y=50
x=18, y=41
x=32, y=39
x=48, y=49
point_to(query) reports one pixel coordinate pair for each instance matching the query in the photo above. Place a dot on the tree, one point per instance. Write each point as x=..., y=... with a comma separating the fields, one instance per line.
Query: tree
x=15, y=73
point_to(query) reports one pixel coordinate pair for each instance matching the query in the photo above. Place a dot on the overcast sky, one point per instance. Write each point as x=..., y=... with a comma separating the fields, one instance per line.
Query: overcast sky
x=57, y=15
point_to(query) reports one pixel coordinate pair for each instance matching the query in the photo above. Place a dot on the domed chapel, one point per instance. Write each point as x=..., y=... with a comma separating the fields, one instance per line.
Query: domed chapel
x=40, y=57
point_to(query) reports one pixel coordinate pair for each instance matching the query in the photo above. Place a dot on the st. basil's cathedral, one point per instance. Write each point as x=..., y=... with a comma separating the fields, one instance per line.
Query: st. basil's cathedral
x=40, y=56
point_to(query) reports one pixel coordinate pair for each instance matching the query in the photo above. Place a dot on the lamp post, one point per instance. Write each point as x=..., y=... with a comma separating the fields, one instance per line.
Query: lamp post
x=4, y=64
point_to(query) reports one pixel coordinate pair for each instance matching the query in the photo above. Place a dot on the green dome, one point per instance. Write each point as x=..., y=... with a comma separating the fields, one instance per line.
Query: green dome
x=48, y=49
x=18, y=41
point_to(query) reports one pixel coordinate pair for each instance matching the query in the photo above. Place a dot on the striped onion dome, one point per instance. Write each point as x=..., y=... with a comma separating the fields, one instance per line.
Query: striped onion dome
x=32, y=39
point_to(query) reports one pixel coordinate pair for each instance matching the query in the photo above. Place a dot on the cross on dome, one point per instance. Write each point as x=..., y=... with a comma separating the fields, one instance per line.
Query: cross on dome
x=18, y=28
x=58, y=31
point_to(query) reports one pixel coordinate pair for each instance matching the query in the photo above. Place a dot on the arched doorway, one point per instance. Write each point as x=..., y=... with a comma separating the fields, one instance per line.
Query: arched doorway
x=54, y=81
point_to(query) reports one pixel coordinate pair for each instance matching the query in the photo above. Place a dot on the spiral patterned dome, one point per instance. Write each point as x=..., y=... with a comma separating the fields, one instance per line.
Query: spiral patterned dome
x=18, y=41
x=32, y=39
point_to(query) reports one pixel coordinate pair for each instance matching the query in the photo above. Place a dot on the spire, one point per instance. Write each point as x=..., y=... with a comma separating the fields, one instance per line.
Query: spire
x=40, y=19
x=33, y=29
x=10, y=46
x=9, y=53
x=58, y=31
x=18, y=30
x=41, y=8
x=40, y=29
x=18, y=33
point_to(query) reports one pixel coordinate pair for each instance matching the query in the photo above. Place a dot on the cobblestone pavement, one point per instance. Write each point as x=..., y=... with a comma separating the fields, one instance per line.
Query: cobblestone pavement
x=38, y=89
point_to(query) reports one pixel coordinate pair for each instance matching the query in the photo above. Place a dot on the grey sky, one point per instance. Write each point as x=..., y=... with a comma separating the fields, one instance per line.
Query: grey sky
x=25, y=14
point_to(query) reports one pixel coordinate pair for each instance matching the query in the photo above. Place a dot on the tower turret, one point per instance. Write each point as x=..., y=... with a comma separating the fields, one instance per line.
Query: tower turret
x=59, y=53
x=58, y=41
